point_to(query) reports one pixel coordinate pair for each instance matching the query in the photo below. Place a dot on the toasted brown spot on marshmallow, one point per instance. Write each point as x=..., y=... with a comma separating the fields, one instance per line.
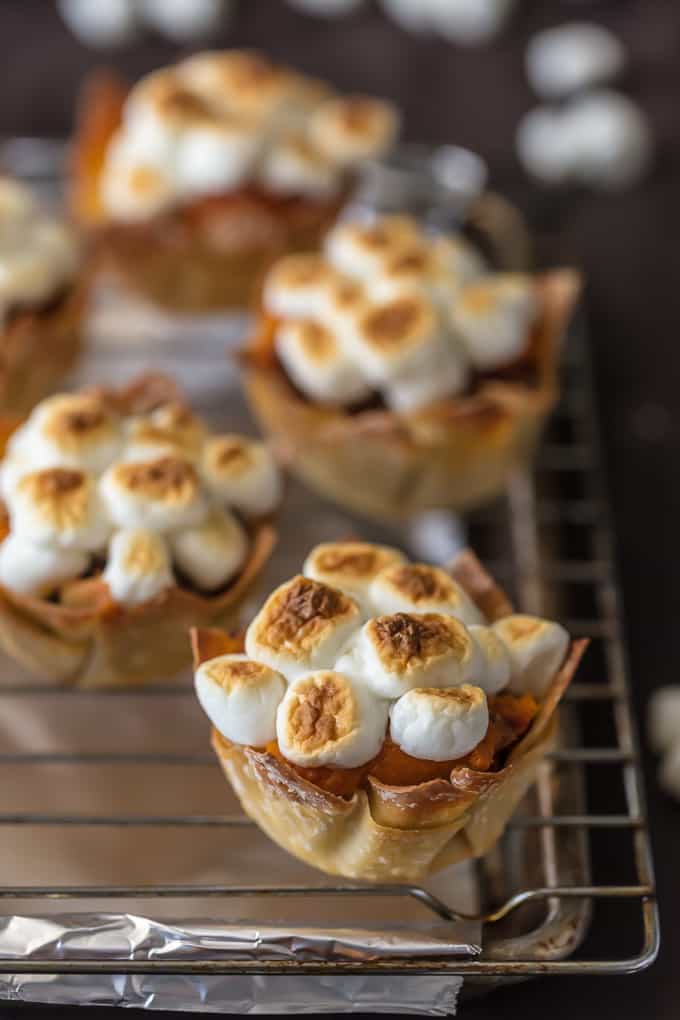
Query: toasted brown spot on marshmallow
x=402, y=638
x=301, y=613
x=228, y=456
x=144, y=555
x=171, y=479
x=235, y=672
x=466, y=694
x=390, y=324
x=61, y=495
x=521, y=627
x=74, y=420
x=322, y=712
x=420, y=582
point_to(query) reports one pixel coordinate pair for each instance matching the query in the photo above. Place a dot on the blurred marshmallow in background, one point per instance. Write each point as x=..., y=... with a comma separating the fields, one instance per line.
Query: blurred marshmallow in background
x=601, y=139
x=663, y=733
x=102, y=23
x=563, y=60
x=593, y=136
x=107, y=24
x=468, y=22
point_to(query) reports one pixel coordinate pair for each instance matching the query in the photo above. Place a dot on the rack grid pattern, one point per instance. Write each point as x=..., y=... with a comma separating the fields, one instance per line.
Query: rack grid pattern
x=525, y=542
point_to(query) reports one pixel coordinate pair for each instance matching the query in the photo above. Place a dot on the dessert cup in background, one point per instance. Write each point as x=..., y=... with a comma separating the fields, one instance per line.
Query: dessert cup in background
x=126, y=523
x=205, y=171
x=383, y=719
x=42, y=298
x=397, y=372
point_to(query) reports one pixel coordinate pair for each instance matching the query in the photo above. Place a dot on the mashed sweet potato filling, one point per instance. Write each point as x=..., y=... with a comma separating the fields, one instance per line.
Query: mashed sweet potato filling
x=510, y=716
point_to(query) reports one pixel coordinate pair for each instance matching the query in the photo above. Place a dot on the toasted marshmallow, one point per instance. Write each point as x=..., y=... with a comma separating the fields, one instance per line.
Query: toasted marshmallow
x=352, y=129
x=216, y=156
x=136, y=190
x=17, y=203
x=162, y=494
x=138, y=566
x=59, y=507
x=445, y=376
x=295, y=286
x=240, y=697
x=325, y=719
x=241, y=473
x=13, y=468
x=340, y=304
x=394, y=654
x=440, y=725
x=211, y=553
x=239, y=81
x=397, y=338
x=294, y=167
x=453, y=264
x=172, y=428
x=663, y=717
x=494, y=319
x=71, y=430
x=494, y=669
x=318, y=364
x=361, y=250
x=421, y=588
x=572, y=57
x=301, y=627
x=38, y=569
x=351, y=567
x=537, y=649
x=405, y=271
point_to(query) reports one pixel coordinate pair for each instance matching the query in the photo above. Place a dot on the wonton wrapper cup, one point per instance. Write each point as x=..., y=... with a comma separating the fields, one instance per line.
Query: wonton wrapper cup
x=456, y=453
x=388, y=833
x=39, y=346
x=207, y=255
x=88, y=640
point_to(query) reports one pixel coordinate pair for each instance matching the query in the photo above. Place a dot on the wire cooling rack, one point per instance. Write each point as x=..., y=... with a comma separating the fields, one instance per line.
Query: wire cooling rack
x=549, y=542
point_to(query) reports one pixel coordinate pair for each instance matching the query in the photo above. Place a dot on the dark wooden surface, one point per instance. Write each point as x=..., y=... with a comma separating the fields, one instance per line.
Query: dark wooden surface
x=626, y=244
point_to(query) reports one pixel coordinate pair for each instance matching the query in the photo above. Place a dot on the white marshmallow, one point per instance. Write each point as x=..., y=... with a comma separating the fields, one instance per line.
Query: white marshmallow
x=394, y=654
x=294, y=167
x=351, y=129
x=543, y=145
x=296, y=286
x=301, y=627
x=469, y=22
x=211, y=553
x=240, y=697
x=440, y=725
x=326, y=720
x=70, y=430
x=214, y=157
x=162, y=494
x=59, y=507
x=138, y=567
x=446, y=376
x=38, y=569
x=669, y=771
x=421, y=588
x=494, y=661
x=351, y=567
x=341, y=302
x=318, y=364
x=327, y=8
x=136, y=191
x=361, y=250
x=107, y=23
x=494, y=319
x=663, y=717
x=12, y=469
x=454, y=263
x=537, y=649
x=411, y=15
x=570, y=57
x=241, y=473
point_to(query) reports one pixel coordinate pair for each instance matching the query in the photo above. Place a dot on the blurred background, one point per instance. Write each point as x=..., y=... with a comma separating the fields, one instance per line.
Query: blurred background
x=596, y=173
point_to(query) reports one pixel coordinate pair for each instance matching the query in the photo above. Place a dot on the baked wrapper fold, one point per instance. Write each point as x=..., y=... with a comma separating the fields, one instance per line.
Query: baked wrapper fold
x=211, y=254
x=87, y=639
x=391, y=833
x=39, y=346
x=455, y=453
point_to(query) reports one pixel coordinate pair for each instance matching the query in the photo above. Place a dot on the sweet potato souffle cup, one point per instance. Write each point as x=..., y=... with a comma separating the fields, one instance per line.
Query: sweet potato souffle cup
x=397, y=373
x=382, y=719
x=201, y=174
x=126, y=522
x=43, y=291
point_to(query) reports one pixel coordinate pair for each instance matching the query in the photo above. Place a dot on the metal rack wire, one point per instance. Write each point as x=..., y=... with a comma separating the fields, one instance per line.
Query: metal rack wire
x=550, y=537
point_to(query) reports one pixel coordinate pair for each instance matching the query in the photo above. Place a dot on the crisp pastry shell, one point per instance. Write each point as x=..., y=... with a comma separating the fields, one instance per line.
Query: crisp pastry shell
x=389, y=833
x=210, y=255
x=38, y=347
x=87, y=639
x=456, y=453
